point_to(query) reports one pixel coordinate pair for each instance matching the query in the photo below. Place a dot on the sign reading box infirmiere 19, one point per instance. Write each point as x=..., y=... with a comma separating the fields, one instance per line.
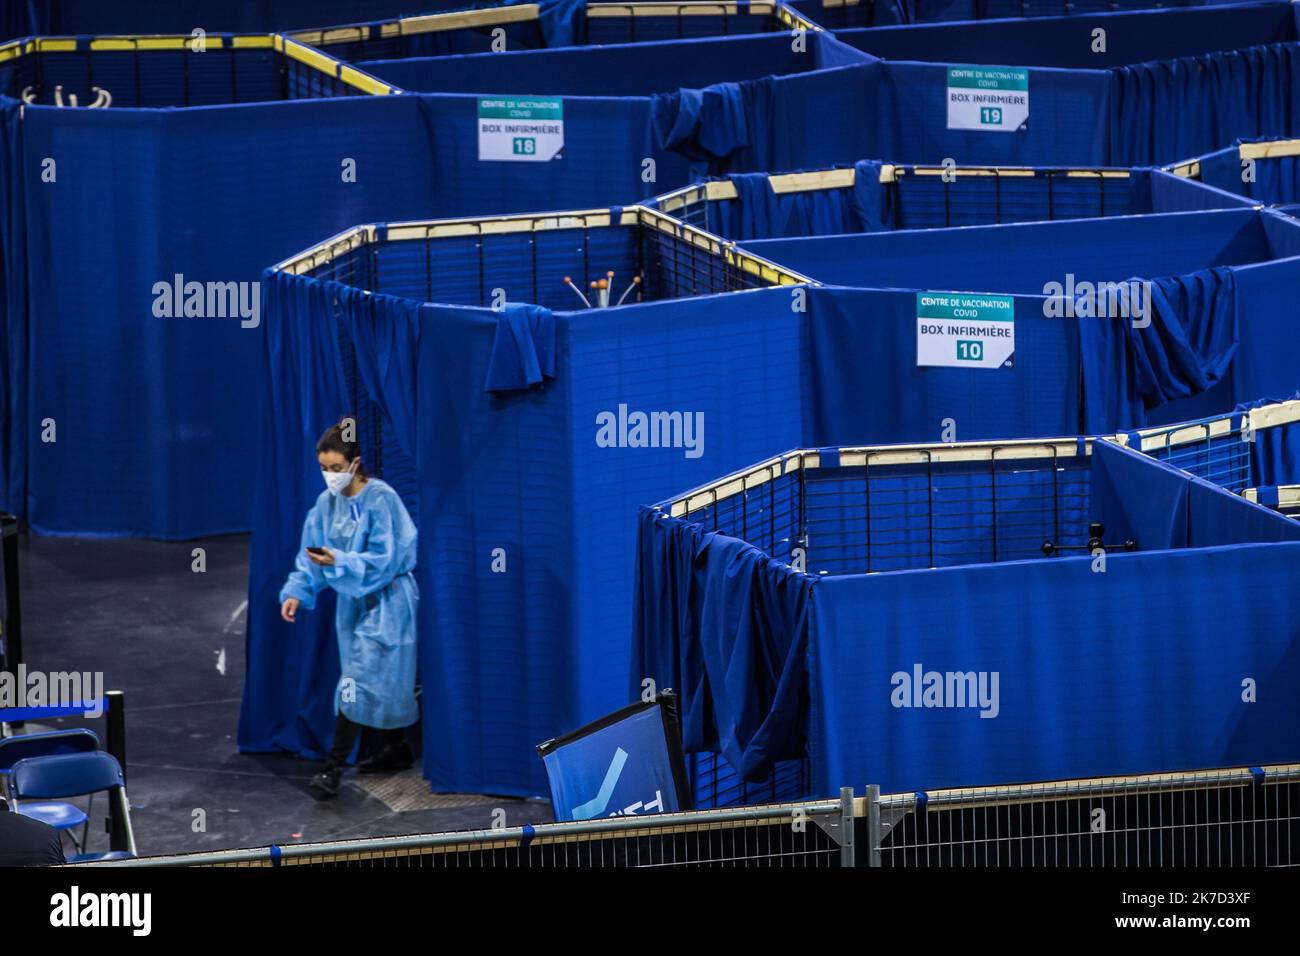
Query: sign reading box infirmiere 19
x=520, y=129
x=990, y=98
x=965, y=331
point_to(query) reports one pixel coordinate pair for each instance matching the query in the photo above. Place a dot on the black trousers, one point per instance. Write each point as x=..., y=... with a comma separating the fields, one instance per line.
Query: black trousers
x=345, y=737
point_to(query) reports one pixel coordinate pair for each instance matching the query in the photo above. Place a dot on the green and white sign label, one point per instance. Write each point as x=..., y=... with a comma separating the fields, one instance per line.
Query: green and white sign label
x=991, y=98
x=520, y=129
x=959, y=330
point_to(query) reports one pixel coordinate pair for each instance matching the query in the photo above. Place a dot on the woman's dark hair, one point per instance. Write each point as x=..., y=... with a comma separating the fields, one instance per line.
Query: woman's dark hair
x=333, y=440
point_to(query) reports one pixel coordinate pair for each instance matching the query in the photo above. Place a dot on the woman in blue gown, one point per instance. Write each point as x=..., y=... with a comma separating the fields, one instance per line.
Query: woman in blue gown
x=359, y=540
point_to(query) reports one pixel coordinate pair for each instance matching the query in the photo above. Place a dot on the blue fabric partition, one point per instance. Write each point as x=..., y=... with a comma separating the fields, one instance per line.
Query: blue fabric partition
x=1170, y=193
x=96, y=17
x=1276, y=178
x=273, y=171
x=732, y=639
x=866, y=387
x=1189, y=346
x=214, y=195
x=1081, y=657
x=888, y=12
x=758, y=119
x=1275, y=452
x=1077, y=653
x=1134, y=36
x=1025, y=257
x=1216, y=306
x=1160, y=507
x=916, y=201
x=735, y=361
x=518, y=469
x=606, y=140
x=616, y=70
x=760, y=213
x=1170, y=84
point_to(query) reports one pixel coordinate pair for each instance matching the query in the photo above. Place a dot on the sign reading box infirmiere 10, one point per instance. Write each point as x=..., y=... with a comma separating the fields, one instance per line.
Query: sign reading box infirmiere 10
x=965, y=331
x=520, y=129
x=990, y=98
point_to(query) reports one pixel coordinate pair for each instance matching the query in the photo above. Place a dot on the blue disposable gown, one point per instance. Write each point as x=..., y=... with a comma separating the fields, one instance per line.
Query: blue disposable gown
x=373, y=540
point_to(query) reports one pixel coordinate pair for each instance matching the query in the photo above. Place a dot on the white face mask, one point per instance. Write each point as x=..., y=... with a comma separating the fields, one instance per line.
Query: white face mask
x=336, y=481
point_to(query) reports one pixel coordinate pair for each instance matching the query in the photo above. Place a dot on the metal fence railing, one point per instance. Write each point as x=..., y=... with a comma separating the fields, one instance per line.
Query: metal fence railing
x=1284, y=499
x=1244, y=816
x=547, y=259
x=811, y=834
x=1239, y=817
x=168, y=71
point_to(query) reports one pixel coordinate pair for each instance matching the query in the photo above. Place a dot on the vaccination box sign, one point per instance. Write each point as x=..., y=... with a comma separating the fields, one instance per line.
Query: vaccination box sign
x=991, y=98
x=520, y=129
x=965, y=331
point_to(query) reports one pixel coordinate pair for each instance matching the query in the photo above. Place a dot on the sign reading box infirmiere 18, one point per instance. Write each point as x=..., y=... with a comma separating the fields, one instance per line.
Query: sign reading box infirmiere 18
x=520, y=129
x=965, y=331
x=991, y=98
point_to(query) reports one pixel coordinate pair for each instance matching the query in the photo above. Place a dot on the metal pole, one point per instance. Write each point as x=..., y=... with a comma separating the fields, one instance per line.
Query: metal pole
x=119, y=826
x=873, y=825
x=115, y=714
x=846, y=828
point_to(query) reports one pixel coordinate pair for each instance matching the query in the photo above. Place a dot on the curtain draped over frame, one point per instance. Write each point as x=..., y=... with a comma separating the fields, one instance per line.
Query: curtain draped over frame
x=1187, y=348
x=727, y=627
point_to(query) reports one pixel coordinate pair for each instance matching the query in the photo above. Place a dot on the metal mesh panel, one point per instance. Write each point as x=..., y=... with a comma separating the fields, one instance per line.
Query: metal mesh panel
x=176, y=77
x=926, y=200
x=1229, y=818
x=531, y=265
x=894, y=517
x=616, y=23
x=158, y=78
x=1222, y=458
x=920, y=198
x=450, y=34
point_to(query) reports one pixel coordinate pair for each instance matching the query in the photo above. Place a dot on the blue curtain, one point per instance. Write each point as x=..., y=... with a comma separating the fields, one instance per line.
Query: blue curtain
x=765, y=124
x=1169, y=110
x=268, y=193
x=1275, y=452
x=758, y=212
x=727, y=627
x=523, y=349
x=1160, y=506
x=866, y=387
x=292, y=669
x=13, y=313
x=1186, y=349
x=1081, y=659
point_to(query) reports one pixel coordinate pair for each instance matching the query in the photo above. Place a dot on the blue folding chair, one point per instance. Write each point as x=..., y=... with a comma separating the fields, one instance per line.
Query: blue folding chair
x=58, y=814
x=74, y=775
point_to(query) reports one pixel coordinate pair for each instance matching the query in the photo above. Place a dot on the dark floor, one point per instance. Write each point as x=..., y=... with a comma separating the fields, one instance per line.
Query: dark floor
x=173, y=641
